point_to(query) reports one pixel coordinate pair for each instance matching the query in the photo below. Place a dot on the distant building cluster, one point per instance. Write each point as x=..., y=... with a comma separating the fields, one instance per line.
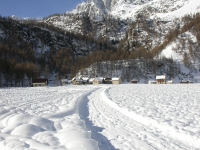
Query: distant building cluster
x=84, y=80
x=161, y=79
x=79, y=80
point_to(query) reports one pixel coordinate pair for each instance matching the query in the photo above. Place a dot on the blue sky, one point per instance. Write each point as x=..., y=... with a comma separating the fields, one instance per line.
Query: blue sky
x=36, y=8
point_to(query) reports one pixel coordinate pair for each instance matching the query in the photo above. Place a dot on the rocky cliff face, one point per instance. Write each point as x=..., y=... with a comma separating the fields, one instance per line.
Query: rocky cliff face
x=111, y=20
x=105, y=7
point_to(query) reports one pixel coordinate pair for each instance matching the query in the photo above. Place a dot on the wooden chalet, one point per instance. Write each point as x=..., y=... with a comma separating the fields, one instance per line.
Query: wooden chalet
x=39, y=82
x=116, y=80
x=161, y=79
x=107, y=81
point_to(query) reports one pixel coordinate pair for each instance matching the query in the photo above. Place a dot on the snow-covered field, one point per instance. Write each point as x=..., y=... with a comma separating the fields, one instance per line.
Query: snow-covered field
x=104, y=117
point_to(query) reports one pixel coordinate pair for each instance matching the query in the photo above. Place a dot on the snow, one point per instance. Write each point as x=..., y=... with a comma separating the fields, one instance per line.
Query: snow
x=189, y=8
x=88, y=117
x=125, y=10
x=168, y=52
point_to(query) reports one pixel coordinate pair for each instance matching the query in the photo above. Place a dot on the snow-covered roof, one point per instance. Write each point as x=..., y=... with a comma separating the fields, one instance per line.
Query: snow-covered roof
x=77, y=78
x=91, y=79
x=99, y=79
x=115, y=78
x=85, y=78
x=160, y=77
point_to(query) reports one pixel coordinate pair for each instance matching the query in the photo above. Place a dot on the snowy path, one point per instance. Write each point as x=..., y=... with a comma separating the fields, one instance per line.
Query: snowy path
x=105, y=117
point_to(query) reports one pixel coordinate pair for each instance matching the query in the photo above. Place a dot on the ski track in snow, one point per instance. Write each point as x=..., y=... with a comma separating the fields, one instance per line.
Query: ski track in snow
x=123, y=130
x=104, y=117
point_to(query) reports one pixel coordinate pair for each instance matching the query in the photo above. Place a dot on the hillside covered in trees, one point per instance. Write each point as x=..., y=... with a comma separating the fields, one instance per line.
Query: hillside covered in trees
x=30, y=49
x=107, y=47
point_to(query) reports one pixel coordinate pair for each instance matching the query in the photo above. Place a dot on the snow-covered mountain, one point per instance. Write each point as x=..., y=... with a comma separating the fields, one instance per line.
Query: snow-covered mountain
x=129, y=8
x=112, y=18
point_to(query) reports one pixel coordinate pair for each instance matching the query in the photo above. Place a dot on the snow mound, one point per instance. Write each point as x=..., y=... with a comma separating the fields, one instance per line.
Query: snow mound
x=13, y=144
x=26, y=130
x=13, y=123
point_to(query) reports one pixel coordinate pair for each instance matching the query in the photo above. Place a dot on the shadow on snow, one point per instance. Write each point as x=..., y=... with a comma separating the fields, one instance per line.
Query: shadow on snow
x=103, y=142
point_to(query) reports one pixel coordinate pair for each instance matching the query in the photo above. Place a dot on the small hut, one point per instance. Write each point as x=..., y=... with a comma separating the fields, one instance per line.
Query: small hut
x=134, y=81
x=39, y=82
x=170, y=82
x=77, y=81
x=186, y=82
x=152, y=82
